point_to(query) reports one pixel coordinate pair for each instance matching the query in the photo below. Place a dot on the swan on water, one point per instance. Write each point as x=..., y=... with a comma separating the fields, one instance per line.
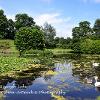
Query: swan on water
x=96, y=64
x=97, y=84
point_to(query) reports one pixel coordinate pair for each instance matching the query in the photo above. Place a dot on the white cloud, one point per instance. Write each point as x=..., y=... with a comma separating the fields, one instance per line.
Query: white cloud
x=65, y=30
x=53, y=18
x=62, y=25
x=11, y=17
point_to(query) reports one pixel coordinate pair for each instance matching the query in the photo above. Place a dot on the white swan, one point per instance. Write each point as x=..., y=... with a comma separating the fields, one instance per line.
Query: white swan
x=97, y=84
x=95, y=64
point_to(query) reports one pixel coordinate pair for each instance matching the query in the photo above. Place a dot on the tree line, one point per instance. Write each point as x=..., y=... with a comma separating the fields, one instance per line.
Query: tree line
x=27, y=35
x=86, y=39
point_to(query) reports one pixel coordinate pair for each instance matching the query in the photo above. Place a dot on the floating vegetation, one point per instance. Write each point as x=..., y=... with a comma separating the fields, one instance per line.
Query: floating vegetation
x=98, y=98
x=57, y=97
x=1, y=96
x=50, y=72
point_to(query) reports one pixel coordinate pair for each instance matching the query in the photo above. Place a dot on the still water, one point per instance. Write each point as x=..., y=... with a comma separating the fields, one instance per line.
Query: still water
x=71, y=78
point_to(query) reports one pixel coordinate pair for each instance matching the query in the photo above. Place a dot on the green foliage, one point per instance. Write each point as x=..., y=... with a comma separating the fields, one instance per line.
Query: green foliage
x=23, y=20
x=76, y=47
x=12, y=63
x=10, y=34
x=29, y=38
x=50, y=33
x=96, y=28
x=2, y=35
x=90, y=46
x=63, y=43
x=3, y=24
x=86, y=39
x=87, y=46
x=83, y=30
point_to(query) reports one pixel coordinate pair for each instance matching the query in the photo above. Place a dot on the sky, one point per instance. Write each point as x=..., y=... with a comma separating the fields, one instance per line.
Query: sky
x=62, y=14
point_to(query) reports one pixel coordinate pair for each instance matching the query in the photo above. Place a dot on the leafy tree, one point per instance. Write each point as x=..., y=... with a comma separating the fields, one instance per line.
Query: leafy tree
x=96, y=28
x=10, y=30
x=76, y=32
x=23, y=20
x=80, y=33
x=84, y=30
x=63, y=43
x=3, y=24
x=57, y=41
x=50, y=33
x=29, y=38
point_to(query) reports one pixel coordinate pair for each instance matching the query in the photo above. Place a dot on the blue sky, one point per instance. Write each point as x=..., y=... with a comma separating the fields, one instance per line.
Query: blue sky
x=62, y=14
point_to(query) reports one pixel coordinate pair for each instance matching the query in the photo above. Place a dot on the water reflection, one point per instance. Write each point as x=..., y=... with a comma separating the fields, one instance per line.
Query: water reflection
x=72, y=78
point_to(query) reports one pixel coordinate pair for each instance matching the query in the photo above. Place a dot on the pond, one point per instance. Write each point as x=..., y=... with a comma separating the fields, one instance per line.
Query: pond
x=71, y=78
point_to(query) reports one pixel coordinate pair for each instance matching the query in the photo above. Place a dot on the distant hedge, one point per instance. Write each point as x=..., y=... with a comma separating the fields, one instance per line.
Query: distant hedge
x=88, y=46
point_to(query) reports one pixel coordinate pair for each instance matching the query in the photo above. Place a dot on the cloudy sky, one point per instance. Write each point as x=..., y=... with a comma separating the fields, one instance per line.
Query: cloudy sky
x=62, y=14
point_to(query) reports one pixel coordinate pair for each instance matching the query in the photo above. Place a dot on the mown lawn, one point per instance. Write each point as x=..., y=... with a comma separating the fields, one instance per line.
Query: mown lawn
x=61, y=51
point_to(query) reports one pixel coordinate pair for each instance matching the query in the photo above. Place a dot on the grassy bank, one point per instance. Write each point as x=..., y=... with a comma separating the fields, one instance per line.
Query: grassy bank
x=61, y=51
x=8, y=48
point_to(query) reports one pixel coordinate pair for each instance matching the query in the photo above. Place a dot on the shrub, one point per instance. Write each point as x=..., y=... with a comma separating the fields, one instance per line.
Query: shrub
x=29, y=38
x=90, y=46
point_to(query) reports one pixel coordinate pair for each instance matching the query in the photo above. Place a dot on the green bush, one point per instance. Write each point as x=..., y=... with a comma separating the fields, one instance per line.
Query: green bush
x=29, y=38
x=76, y=47
x=89, y=46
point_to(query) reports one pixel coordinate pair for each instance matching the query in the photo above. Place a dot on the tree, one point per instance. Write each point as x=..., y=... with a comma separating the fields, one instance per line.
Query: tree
x=3, y=24
x=83, y=31
x=76, y=32
x=57, y=40
x=80, y=33
x=50, y=33
x=85, y=28
x=23, y=20
x=29, y=38
x=60, y=42
x=10, y=34
x=96, y=28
